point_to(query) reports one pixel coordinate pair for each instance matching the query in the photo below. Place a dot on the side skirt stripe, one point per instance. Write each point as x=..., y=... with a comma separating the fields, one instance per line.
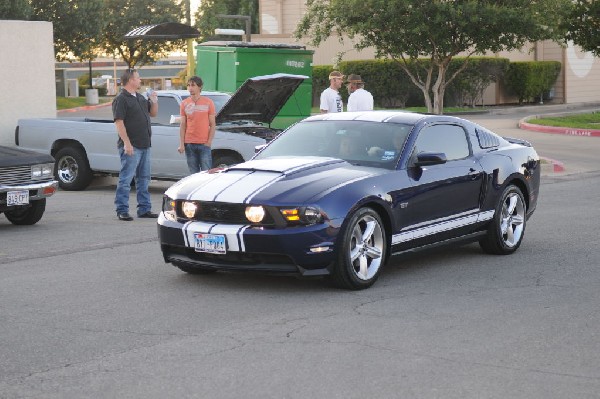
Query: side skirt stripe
x=415, y=233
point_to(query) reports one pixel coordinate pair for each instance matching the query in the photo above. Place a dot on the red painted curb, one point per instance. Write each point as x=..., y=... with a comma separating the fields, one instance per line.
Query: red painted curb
x=85, y=107
x=557, y=166
x=569, y=131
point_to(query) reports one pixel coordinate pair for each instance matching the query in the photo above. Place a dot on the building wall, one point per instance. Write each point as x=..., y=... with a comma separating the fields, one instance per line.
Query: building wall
x=28, y=59
x=582, y=75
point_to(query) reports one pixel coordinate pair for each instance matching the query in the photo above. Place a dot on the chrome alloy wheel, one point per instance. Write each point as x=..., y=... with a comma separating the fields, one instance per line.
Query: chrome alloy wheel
x=366, y=247
x=67, y=169
x=512, y=219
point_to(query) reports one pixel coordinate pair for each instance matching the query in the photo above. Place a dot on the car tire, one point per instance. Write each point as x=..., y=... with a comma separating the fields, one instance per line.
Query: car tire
x=194, y=270
x=222, y=161
x=507, y=229
x=27, y=215
x=362, y=250
x=72, y=169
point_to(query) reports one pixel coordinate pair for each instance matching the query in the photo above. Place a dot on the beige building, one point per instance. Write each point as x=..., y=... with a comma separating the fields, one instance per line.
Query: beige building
x=579, y=80
x=27, y=68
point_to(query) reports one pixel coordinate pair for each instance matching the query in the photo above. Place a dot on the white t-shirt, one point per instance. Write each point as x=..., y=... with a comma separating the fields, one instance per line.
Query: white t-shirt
x=331, y=101
x=360, y=100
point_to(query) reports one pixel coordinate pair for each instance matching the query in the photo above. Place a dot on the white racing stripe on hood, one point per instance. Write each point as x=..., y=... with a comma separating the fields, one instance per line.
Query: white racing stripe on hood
x=246, y=188
x=212, y=188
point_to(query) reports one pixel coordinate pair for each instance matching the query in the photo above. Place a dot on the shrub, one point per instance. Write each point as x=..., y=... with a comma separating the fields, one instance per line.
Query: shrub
x=531, y=79
x=468, y=87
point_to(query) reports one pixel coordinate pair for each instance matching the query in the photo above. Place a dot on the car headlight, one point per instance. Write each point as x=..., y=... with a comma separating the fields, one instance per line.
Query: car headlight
x=302, y=215
x=255, y=213
x=42, y=171
x=169, y=208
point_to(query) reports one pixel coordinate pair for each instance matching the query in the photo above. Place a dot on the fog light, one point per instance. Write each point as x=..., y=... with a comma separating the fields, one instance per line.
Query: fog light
x=189, y=209
x=319, y=249
x=255, y=214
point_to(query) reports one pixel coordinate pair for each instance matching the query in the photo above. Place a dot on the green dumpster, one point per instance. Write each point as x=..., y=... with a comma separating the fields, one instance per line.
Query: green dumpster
x=225, y=66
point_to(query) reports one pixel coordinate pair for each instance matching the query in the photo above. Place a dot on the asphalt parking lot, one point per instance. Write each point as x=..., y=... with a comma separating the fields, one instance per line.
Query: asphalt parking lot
x=89, y=309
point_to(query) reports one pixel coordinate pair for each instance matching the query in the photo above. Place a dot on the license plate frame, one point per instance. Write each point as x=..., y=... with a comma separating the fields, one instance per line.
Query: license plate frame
x=20, y=197
x=210, y=243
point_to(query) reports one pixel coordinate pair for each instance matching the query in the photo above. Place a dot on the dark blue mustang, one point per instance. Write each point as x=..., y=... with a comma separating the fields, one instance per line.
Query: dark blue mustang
x=338, y=194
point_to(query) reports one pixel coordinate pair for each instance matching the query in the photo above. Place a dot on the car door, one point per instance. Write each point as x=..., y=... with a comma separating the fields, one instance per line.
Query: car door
x=446, y=193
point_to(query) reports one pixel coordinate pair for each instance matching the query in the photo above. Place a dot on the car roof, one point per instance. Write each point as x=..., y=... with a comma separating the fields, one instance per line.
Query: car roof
x=382, y=116
x=185, y=93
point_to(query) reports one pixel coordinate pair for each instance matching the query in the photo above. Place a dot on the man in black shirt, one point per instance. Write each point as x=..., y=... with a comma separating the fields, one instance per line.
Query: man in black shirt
x=131, y=113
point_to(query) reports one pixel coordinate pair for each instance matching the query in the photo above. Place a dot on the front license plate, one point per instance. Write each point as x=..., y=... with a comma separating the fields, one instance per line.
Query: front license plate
x=17, y=197
x=212, y=243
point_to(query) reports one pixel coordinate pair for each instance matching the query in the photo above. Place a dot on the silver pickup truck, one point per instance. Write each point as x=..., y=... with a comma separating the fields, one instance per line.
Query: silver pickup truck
x=84, y=147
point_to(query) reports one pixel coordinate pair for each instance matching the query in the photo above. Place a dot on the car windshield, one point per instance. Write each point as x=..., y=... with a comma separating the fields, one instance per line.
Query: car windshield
x=357, y=142
x=218, y=99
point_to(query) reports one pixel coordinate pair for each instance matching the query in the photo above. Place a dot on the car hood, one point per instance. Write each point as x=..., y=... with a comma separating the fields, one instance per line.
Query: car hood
x=281, y=180
x=12, y=156
x=260, y=98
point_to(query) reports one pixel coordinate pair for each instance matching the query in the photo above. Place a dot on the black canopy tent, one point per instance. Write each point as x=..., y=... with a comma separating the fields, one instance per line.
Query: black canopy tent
x=164, y=31
x=168, y=31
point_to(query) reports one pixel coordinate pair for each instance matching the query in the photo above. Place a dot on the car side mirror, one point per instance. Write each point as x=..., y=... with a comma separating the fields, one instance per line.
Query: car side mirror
x=430, y=158
x=259, y=148
x=175, y=120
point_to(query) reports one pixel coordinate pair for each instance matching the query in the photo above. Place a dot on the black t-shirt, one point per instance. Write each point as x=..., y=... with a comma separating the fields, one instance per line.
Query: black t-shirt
x=134, y=111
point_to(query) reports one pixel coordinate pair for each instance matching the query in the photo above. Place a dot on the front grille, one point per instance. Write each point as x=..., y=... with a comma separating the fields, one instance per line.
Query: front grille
x=223, y=212
x=19, y=175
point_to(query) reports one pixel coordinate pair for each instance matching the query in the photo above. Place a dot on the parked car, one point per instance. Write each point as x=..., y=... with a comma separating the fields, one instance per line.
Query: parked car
x=338, y=194
x=26, y=180
x=86, y=147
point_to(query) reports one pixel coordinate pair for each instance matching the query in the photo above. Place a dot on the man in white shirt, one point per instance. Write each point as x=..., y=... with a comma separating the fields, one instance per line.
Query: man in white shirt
x=360, y=99
x=331, y=101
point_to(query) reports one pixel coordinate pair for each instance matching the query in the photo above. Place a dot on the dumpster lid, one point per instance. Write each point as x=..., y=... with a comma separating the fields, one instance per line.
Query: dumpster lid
x=260, y=98
x=225, y=43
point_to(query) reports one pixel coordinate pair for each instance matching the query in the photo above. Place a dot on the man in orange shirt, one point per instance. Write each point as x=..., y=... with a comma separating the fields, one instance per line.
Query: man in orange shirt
x=197, y=128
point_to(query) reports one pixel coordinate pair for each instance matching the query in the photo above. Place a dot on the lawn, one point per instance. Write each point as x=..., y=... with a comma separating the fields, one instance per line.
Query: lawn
x=74, y=102
x=579, y=121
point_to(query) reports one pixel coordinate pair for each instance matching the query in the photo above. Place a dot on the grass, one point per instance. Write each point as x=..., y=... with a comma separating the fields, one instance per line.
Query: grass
x=74, y=102
x=579, y=121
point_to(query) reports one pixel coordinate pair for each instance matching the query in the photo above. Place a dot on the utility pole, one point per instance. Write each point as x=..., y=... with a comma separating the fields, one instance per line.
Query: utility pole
x=191, y=62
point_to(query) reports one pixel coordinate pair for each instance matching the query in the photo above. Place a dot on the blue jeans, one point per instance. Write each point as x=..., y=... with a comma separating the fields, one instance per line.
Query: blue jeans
x=198, y=157
x=134, y=166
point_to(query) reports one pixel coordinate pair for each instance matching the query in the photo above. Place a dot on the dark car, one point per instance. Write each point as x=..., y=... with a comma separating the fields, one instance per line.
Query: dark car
x=338, y=194
x=26, y=180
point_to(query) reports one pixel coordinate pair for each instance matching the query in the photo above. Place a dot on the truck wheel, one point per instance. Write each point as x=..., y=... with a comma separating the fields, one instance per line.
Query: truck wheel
x=221, y=161
x=27, y=215
x=72, y=169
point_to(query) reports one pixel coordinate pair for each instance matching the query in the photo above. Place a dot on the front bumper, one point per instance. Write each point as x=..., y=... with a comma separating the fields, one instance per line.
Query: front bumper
x=277, y=250
x=37, y=191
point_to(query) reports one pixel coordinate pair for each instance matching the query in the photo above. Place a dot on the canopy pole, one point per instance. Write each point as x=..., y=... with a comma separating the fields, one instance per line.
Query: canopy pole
x=191, y=62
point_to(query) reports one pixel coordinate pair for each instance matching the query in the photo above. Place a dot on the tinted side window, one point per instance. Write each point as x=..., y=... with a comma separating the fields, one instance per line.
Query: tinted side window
x=449, y=139
x=167, y=106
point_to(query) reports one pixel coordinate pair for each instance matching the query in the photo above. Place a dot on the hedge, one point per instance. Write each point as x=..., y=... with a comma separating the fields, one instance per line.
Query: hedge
x=392, y=88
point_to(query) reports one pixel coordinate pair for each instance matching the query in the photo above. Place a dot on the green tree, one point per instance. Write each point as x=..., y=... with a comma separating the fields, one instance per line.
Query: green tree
x=207, y=20
x=15, y=9
x=77, y=25
x=583, y=25
x=405, y=30
x=124, y=15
